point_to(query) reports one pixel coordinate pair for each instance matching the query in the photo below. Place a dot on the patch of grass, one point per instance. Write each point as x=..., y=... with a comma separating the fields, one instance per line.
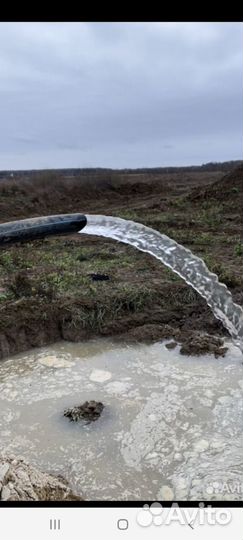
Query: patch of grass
x=60, y=283
x=224, y=274
x=56, y=270
x=184, y=295
x=181, y=236
x=130, y=215
x=125, y=299
x=170, y=275
x=211, y=216
x=161, y=221
x=205, y=238
x=133, y=297
x=6, y=296
x=10, y=261
x=21, y=285
x=238, y=249
x=179, y=202
x=6, y=261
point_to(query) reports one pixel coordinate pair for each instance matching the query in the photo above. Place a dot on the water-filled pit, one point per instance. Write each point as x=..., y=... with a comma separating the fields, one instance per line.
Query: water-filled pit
x=172, y=426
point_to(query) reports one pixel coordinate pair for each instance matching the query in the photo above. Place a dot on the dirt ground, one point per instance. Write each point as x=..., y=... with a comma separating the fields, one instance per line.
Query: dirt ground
x=47, y=292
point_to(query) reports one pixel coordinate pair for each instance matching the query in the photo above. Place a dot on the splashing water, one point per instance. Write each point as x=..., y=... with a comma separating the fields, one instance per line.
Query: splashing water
x=180, y=259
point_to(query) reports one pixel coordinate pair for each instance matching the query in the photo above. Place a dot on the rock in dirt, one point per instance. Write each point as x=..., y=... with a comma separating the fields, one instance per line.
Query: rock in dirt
x=90, y=411
x=20, y=481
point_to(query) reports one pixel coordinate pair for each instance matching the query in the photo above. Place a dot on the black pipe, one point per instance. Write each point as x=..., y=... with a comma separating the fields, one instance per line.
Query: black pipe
x=25, y=230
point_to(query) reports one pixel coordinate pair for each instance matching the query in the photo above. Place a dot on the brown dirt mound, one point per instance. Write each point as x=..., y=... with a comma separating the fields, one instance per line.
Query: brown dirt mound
x=49, y=193
x=228, y=187
x=199, y=344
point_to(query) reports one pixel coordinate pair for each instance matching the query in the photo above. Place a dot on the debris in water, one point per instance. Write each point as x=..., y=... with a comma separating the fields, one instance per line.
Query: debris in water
x=99, y=375
x=166, y=493
x=171, y=345
x=90, y=410
x=55, y=362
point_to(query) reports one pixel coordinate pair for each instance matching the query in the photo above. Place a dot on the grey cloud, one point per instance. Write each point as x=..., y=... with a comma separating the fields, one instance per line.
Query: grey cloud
x=119, y=94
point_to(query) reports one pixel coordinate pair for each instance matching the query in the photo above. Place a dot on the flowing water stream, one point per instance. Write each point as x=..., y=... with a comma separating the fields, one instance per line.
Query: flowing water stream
x=172, y=426
x=180, y=259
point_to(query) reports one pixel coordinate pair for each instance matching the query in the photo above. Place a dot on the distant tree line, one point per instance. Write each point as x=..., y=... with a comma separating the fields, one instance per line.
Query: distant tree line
x=226, y=166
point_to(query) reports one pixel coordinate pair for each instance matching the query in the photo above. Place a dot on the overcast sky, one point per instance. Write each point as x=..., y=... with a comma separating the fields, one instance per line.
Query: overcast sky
x=119, y=94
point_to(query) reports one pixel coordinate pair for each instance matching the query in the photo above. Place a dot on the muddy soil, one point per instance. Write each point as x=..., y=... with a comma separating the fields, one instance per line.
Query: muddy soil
x=47, y=292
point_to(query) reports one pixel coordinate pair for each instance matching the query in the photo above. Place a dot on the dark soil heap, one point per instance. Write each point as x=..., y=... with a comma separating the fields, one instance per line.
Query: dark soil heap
x=229, y=188
x=90, y=411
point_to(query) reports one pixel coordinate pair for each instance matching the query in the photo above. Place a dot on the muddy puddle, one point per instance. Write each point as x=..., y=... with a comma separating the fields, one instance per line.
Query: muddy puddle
x=172, y=426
